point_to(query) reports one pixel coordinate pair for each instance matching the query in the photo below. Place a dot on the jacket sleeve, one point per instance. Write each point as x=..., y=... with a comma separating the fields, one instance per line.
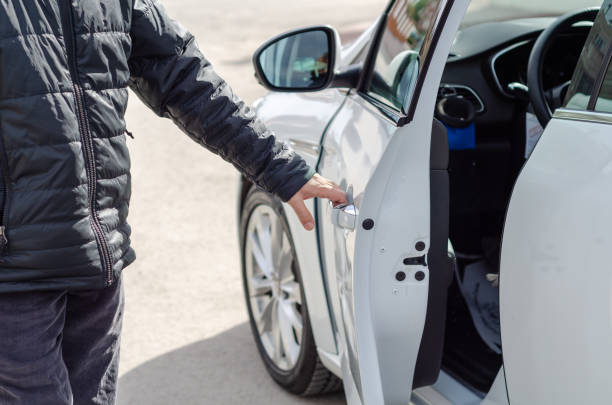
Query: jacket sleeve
x=171, y=76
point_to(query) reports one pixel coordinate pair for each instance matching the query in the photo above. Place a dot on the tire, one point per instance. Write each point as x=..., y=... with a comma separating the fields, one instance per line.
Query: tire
x=298, y=370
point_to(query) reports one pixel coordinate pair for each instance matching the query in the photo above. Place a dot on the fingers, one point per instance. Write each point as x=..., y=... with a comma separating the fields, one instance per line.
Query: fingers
x=320, y=187
x=335, y=194
x=331, y=191
x=302, y=213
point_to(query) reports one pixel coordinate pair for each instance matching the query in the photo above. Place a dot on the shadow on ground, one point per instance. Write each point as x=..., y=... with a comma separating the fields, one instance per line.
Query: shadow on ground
x=224, y=369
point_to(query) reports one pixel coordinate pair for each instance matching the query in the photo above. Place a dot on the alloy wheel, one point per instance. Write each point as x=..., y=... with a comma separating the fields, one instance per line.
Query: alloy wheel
x=272, y=287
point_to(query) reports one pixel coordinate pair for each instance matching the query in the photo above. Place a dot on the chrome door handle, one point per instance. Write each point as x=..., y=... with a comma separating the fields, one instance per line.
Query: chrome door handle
x=344, y=215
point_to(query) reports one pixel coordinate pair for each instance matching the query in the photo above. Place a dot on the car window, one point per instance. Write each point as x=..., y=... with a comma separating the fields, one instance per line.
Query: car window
x=595, y=54
x=396, y=68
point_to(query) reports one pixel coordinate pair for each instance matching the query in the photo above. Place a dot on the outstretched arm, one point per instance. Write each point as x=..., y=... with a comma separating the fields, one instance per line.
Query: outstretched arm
x=171, y=76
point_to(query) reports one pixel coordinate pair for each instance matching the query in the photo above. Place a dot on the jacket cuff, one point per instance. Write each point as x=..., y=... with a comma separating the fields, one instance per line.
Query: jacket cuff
x=288, y=190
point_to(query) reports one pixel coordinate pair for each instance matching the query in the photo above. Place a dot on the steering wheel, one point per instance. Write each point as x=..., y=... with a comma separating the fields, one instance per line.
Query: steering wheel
x=541, y=100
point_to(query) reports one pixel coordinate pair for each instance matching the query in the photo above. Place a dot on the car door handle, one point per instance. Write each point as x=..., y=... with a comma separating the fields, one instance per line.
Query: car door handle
x=344, y=215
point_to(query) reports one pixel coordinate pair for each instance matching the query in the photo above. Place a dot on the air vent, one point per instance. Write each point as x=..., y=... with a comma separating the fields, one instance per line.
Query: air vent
x=464, y=91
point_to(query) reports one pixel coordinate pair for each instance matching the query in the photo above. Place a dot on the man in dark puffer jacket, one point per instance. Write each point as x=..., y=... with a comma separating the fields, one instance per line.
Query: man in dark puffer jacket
x=65, y=66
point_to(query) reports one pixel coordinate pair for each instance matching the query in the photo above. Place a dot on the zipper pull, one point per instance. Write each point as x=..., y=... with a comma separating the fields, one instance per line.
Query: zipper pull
x=128, y=133
x=3, y=239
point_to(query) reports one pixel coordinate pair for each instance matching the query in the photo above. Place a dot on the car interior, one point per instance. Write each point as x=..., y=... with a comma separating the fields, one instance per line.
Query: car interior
x=485, y=106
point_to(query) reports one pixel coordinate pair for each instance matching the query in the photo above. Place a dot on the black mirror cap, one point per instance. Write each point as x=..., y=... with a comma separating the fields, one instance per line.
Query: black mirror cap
x=333, y=43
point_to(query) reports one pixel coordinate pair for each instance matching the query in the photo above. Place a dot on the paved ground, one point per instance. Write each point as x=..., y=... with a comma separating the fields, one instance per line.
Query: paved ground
x=185, y=339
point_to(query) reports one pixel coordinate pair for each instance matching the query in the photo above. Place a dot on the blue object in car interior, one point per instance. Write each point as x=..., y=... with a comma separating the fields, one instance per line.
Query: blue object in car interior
x=461, y=138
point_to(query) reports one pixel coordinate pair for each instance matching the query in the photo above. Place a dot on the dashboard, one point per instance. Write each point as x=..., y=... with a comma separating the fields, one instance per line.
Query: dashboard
x=510, y=64
x=485, y=59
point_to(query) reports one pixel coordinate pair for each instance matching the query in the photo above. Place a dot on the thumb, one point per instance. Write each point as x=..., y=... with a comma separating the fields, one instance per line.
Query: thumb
x=302, y=212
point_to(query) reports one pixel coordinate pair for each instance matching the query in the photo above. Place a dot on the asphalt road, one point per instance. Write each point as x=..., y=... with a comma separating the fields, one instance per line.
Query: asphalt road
x=185, y=337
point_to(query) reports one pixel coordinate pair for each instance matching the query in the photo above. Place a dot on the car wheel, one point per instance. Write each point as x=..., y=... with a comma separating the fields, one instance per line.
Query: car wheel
x=275, y=299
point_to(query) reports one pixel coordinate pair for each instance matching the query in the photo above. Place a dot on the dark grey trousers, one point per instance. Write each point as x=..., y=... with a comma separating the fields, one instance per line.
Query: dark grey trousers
x=59, y=347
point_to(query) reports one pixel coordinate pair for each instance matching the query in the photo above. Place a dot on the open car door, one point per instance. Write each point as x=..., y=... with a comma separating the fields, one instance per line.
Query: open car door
x=555, y=280
x=385, y=254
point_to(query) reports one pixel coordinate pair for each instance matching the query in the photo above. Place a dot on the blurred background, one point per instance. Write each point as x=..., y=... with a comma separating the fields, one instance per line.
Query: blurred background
x=186, y=340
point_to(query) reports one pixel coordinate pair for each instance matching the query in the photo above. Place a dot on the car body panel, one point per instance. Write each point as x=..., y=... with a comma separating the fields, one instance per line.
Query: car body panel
x=386, y=169
x=555, y=269
x=301, y=120
x=343, y=146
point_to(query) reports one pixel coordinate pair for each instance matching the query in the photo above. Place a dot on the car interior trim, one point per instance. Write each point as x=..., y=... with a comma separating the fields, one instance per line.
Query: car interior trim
x=500, y=54
x=580, y=115
x=481, y=103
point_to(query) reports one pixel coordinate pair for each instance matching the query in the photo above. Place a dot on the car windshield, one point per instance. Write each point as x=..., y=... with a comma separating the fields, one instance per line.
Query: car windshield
x=499, y=10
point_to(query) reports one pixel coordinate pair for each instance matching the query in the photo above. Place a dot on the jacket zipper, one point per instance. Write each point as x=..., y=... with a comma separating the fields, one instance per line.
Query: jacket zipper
x=4, y=192
x=86, y=139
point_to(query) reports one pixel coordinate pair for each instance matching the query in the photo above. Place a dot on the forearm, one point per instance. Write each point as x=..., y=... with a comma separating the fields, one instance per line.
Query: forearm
x=172, y=76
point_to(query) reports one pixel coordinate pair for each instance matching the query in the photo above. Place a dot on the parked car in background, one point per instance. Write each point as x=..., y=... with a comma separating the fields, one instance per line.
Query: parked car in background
x=470, y=264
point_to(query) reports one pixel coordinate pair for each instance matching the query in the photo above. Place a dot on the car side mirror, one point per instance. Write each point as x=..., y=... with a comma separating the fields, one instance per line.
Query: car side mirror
x=298, y=61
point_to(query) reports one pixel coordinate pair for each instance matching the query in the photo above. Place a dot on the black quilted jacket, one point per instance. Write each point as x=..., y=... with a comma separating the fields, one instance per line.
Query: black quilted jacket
x=65, y=66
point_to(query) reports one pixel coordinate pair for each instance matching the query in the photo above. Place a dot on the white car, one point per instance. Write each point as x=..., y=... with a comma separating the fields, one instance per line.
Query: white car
x=409, y=293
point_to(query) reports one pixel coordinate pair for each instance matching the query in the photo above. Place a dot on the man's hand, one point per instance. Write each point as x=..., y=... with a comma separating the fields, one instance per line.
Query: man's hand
x=318, y=187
